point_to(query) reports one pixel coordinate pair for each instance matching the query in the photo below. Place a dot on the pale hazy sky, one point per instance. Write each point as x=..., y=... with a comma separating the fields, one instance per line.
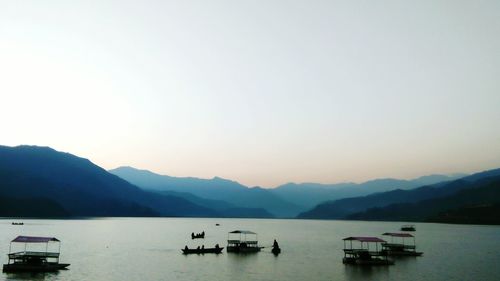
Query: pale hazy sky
x=262, y=92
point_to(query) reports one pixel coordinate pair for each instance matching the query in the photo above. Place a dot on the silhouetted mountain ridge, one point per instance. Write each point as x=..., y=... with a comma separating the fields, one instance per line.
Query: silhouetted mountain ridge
x=223, y=208
x=312, y=194
x=344, y=207
x=467, y=205
x=80, y=187
x=216, y=188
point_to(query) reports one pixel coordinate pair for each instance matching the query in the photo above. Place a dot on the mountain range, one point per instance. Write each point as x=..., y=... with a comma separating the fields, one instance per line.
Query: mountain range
x=311, y=194
x=217, y=188
x=286, y=200
x=392, y=205
x=74, y=186
x=478, y=203
x=42, y=182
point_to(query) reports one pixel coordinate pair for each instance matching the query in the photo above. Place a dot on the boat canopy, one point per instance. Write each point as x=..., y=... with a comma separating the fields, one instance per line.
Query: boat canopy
x=243, y=232
x=34, y=239
x=365, y=239
x=397, y=234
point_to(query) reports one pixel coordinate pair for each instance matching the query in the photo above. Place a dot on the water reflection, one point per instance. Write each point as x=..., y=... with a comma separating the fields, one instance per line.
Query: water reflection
x=241, y=262
x=31, y=276
x=354, y=272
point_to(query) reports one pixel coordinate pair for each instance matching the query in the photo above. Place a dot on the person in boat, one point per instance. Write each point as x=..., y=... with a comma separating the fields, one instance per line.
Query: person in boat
x=216, y=246
x=192, y=235
x=202, y=247
x=276, y=248
x=186, y=248
x=203, y=233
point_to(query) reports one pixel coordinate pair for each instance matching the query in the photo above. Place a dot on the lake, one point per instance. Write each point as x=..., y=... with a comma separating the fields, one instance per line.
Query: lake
x=150, y=249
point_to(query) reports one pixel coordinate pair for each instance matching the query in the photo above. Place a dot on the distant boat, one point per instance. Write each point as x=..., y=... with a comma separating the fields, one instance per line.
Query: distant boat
x=217, y=224
x=408, y=227
x=276, y=248
x=238, y=242
x=198, y=235
x=361, y=253
x=17, y=223
x=215, y=250
x=400, y=249
x=34, y=261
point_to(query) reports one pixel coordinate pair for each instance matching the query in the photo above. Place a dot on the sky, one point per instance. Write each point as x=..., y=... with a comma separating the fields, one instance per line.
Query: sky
x=262, y=92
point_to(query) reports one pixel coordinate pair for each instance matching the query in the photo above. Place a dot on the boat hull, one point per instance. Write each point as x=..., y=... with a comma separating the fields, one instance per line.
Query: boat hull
x=403, y=253
x=408, y=229
x=202, y=251
x=355, y=261
x=243, y=249
x=47, y=267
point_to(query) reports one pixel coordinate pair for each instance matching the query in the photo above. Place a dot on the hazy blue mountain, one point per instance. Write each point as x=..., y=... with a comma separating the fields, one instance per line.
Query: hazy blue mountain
x=214, y=189
x=80, y=187
x=475, y=204
x=341, y=208
x=223, y=208
x=311, y=194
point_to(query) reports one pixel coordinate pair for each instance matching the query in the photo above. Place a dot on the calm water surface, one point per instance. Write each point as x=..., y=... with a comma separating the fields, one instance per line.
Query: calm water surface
x=150, y=249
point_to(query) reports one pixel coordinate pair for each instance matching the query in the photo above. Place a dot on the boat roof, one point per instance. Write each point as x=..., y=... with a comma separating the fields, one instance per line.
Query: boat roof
x=243, y=232
x=34, y=239
x=398, y=234
x=365, y=239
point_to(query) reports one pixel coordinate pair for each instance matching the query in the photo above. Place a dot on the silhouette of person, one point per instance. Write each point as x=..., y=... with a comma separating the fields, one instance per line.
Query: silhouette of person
x=192, y=235
x=216, y=246
x=198, y=248
x=186, y=248
x=275, y=244
x=203, y=247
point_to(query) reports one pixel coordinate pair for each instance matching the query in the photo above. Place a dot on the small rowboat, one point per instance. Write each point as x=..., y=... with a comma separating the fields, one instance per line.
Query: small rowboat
x=276, y=250
x=216, y=250
x=408, y=227
x=198, y=235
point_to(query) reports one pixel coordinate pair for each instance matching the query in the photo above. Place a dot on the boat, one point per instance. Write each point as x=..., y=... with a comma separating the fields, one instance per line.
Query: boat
x=28, y=260
x=362, y=254
x=242, y=241
x=402, y=248
x=215, y=250
x=17, y=223
x=198, y=235
x=408, y=227
x=276, y=250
